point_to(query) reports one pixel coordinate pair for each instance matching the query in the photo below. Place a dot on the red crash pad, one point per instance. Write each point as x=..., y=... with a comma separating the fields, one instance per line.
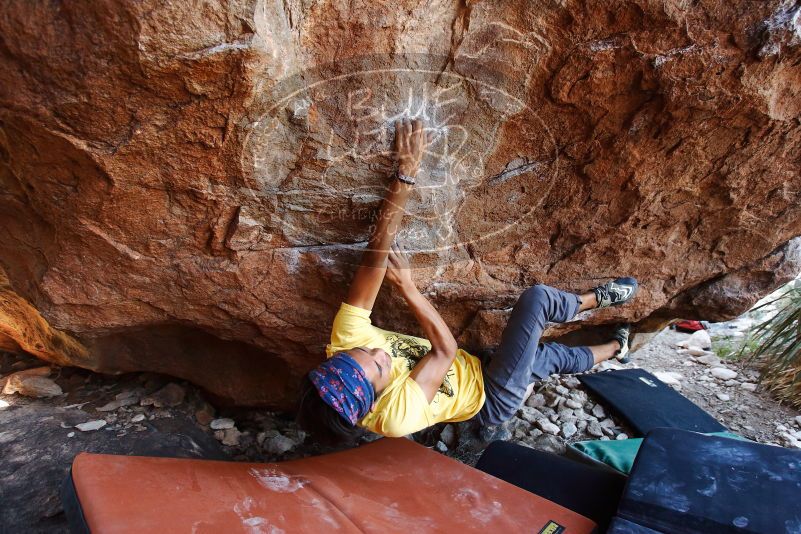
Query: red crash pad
x=391, y=485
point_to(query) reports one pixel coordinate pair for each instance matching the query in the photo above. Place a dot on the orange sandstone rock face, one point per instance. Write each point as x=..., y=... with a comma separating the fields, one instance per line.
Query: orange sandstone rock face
x=22, y=328
x=185, y=187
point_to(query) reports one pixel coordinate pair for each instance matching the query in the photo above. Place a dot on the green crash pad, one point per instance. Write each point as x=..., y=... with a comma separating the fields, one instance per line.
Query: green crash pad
x=620, y=454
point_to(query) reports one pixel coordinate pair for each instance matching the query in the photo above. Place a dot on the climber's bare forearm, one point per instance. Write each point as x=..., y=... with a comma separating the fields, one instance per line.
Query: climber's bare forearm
x=370, y=273
x=432, y=323
x=430, y=372
x=386, y=227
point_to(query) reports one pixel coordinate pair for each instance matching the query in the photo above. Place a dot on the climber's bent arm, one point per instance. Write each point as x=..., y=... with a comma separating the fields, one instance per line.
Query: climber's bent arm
x=430, y=371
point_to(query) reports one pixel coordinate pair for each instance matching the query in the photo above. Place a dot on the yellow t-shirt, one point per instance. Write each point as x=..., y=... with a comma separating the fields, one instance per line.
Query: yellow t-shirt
x=402, y=408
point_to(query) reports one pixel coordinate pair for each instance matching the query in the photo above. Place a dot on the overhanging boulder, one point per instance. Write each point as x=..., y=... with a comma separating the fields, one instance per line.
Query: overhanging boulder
x=186, y=187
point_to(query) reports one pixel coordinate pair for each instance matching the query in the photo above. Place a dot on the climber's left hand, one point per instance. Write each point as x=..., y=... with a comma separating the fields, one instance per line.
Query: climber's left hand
x=410, y=144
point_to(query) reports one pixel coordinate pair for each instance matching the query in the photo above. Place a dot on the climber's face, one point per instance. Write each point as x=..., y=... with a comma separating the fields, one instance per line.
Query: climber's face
x=376, y=364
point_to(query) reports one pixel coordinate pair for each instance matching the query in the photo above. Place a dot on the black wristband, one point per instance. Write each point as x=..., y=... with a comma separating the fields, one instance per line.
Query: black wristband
x=408, y=180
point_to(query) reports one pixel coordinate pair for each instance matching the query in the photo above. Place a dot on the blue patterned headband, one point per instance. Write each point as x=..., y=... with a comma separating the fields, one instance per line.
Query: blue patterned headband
x=342, y=385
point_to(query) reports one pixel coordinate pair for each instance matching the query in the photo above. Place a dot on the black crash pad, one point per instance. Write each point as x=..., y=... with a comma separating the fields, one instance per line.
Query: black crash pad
x=646, y=403
x=684, y=482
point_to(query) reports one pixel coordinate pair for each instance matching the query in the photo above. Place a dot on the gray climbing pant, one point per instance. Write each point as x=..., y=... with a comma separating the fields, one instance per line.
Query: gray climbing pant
x=521, y=359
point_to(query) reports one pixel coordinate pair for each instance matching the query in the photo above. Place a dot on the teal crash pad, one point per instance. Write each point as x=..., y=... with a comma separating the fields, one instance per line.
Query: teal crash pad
x=620, y=454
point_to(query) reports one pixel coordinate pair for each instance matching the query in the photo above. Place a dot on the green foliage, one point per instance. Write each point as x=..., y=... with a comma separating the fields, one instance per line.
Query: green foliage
x=735, y=349
x=724, y=351
x=776, y=344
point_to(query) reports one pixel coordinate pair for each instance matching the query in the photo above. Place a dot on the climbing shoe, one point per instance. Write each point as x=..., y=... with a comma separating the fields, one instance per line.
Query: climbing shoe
x=621, y=335
x=616, y=292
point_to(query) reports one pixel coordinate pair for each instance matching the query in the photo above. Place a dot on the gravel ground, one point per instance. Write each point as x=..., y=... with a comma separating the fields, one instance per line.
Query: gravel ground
x=753, y=414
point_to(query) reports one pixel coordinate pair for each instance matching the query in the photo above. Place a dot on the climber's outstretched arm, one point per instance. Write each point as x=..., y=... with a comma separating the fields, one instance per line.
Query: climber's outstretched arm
x=410, y=142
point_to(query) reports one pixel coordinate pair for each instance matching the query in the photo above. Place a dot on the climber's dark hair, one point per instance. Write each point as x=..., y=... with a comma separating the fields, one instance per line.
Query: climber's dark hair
x=321, y=421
